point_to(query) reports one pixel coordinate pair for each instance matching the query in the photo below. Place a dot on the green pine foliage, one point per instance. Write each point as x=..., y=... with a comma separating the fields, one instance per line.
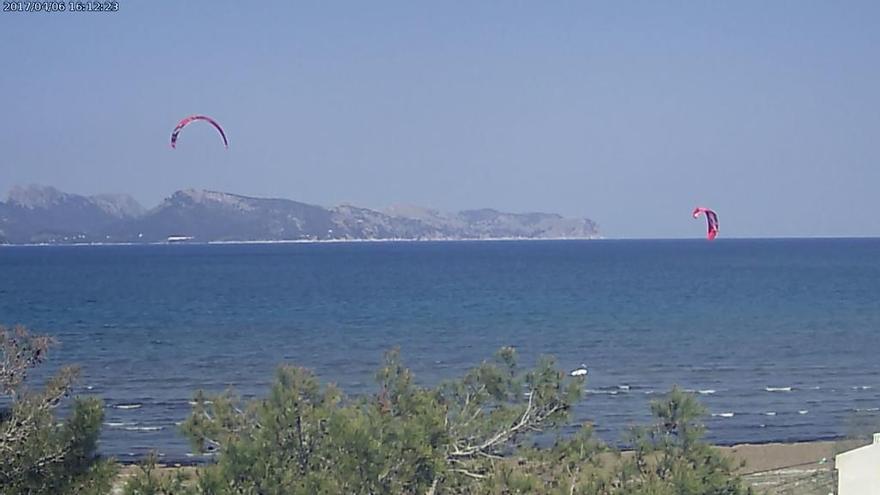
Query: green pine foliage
x=671, y=458
x=149, y=480
x=474, y=435
x=39, y=454
x=306, y=438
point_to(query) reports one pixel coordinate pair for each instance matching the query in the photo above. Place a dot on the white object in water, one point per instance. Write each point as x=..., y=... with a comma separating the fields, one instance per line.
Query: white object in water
x=778, y=389
x=582, y=371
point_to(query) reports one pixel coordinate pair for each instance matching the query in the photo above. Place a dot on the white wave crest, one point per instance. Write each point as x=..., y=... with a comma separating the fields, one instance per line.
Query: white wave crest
x=777, y=389
x=118, y=424
x=143, y=428
x=602, y=392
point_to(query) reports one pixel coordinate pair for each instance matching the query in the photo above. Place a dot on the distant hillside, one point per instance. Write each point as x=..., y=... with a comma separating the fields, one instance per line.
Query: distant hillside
x=45, y=214
x=38, y=214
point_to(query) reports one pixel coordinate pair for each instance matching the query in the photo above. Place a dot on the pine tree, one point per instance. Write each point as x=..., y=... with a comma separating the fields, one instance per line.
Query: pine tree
x=38, y=454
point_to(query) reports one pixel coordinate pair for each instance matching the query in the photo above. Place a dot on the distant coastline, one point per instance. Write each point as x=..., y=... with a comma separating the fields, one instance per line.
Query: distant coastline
x=38, y=215
x=305, y=241
x=405, y=240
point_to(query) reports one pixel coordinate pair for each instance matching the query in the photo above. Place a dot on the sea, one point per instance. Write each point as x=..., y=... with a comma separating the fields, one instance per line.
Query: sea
x=778, y=338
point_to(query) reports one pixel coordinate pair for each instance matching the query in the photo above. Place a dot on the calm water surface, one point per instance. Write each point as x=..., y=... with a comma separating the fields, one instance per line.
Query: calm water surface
x=784, y=334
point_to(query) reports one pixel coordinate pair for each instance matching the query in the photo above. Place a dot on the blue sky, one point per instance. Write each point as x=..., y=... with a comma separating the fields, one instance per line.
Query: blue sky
x=630, y=113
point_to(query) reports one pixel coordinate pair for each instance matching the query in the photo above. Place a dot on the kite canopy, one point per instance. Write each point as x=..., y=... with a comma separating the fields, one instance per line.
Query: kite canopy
x=711, y=221
x=185, y=122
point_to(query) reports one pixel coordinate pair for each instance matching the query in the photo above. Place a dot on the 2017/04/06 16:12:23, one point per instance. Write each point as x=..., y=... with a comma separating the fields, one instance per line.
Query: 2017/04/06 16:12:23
x=61, y=6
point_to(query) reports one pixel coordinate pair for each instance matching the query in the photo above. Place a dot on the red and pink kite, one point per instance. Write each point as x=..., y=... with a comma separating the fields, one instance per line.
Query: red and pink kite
x=183, y=123
x=711, y=221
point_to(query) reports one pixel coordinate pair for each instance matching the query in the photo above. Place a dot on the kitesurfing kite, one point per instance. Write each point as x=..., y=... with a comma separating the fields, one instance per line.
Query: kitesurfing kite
x=711, y=221
x=185, y=122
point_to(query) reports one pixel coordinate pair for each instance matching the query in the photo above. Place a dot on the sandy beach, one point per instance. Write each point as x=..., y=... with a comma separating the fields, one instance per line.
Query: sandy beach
x=794, y=468
x=803, y=468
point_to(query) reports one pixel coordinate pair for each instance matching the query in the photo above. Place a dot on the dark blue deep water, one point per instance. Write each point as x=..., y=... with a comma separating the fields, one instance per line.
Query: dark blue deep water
x=729, y=319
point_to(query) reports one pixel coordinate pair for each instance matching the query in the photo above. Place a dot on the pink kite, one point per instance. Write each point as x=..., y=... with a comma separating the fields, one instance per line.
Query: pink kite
x=711, y=221
x=183, y=123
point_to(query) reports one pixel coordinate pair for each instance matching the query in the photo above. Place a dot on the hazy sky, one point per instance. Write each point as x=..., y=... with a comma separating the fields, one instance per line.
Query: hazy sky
x=630, y=113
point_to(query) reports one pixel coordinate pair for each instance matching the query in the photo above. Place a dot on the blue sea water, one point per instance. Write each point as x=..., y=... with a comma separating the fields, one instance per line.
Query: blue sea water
x=783, y=334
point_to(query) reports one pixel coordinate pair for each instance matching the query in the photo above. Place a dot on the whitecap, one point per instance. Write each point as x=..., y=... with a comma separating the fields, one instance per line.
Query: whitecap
x=862, y=387
x=803, y=411
x=707, y=391
x=770, y=413
x=597, y=392
x=128, y=406
x=867, y=409
x=623, y=387
x=143, y=428
x=723, y=415
x=118, y=424
x=777, y=389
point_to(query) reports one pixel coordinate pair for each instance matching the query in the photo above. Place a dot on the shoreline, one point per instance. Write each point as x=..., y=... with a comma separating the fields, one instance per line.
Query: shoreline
x=770, y=468
x=759, y=456
x=298, y=241
x=408, y=240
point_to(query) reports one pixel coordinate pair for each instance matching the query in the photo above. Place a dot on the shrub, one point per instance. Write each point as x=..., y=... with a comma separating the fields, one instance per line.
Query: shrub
x=307, y=438
x=469, y=436
x=671, y=457
x=38, y=454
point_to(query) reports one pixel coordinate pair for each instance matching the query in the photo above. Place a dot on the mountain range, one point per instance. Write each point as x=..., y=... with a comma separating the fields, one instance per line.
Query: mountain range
x=45, y=215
